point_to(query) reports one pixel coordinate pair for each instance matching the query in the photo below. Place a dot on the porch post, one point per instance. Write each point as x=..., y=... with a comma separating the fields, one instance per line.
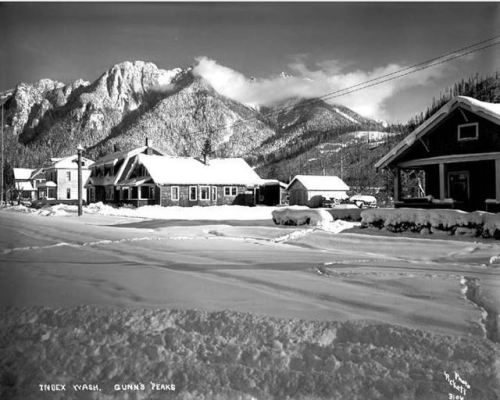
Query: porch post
x=497, y=178
x=442, y=181
x=397, y=184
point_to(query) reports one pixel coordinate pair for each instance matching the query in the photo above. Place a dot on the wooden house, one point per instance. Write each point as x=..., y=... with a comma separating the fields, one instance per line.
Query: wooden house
x=24, y=184
x=61, y=179
x=458, y=151
x=107, y=171
x=311, y=190
x=186, y=181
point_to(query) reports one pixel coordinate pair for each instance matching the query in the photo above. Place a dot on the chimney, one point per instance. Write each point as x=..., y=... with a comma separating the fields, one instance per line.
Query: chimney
x=149, y=150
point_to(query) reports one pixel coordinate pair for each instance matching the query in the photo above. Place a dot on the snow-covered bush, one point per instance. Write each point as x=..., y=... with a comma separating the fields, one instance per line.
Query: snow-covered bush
x=446, y=221
x=301, y=215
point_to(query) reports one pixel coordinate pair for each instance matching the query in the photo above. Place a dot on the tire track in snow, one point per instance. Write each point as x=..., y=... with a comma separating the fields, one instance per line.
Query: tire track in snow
x=84, y=244
x=471, y=289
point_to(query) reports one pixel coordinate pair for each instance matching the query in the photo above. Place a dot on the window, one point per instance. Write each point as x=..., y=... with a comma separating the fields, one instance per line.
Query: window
x=147, y=192
x=135, y=192
x=193, y=193
x=174, y=193
x=204, y=193
x=68, y=193
x=214, y=193
x=68, y=176
x=230, y=190
x=468, y=131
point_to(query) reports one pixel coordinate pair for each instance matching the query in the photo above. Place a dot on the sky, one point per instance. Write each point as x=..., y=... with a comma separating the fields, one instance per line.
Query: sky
x=242, y=49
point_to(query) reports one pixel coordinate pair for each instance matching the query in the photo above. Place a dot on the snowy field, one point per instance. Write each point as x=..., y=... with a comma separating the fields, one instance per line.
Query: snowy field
x=438, y=299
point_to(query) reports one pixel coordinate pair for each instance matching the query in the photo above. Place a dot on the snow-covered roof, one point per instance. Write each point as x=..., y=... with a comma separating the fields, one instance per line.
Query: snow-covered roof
x=186, y=170
x=118, y=155
x=22, y=173
x=47, y=184
x=24, y=186
x=69, y=162
x=490, y=111
x=113, y=158
x=320, y=182
x=270, y=182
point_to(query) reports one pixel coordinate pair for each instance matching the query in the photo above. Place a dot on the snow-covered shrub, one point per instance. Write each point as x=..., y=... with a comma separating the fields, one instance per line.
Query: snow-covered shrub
x=441, y=221
x=301, y=215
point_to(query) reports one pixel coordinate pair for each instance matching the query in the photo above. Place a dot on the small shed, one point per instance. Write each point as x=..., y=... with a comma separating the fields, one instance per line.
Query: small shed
x=272, y=192
x=310, y=190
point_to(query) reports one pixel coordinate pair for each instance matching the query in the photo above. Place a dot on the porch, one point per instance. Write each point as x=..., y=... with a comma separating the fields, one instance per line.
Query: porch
x=466, y=182
x=47, y=190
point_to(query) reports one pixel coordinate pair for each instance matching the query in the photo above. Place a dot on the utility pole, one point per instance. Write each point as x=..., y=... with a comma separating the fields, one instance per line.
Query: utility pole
x=79, y=149
x=1, y=166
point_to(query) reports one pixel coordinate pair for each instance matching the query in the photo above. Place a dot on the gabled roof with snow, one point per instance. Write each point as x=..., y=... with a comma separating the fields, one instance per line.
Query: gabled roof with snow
x=166, y=170
x=113, y=158
x=22, y=173
x=68, y=162
x=490, y=111
x=320, y=182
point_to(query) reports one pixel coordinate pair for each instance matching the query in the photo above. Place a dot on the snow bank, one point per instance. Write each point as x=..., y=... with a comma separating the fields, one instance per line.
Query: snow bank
x=433, y=221
x=229, y=355
x=212, y=213
x=301, y=215
x=363, y=198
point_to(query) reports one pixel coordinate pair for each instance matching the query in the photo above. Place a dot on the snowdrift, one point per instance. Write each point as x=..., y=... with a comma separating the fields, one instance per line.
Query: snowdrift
x=433, y=221
x=210, y=213
x=228, y=355
x=301, y=215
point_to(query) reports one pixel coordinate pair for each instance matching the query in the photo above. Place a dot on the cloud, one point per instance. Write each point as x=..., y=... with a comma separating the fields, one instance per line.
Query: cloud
x=330, y=76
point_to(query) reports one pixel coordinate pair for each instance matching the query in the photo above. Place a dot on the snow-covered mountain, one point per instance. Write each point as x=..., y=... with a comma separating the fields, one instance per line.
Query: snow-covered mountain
x=174, y=108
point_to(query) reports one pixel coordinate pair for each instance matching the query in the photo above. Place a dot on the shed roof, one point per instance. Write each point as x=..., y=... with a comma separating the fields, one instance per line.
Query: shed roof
x=186, y=170
x=320, y=182
x=490, y=111
x=47, y=184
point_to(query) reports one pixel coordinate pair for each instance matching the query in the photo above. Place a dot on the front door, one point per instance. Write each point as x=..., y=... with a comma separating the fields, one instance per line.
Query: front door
x=458, y=185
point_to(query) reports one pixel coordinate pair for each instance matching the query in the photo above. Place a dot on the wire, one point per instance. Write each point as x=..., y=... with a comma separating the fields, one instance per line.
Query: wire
x=444, y=58
x=415, y=70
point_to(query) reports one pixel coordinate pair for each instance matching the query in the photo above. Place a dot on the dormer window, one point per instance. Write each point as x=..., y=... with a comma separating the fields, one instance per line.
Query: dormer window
x=468, y=131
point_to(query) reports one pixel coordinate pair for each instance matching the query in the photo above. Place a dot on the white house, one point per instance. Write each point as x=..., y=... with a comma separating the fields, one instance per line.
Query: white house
x=61, y=176
x=310, y=190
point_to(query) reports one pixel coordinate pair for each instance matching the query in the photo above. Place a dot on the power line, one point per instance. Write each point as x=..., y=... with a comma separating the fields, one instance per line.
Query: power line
x=413, y=71
x=442, y=59
x=420, y=64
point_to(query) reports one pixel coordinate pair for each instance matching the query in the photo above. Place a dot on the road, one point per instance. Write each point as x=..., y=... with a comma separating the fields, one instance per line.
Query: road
x=249, y=267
